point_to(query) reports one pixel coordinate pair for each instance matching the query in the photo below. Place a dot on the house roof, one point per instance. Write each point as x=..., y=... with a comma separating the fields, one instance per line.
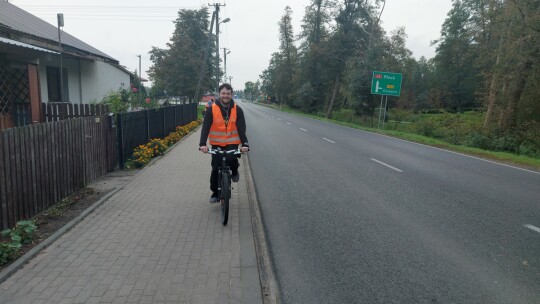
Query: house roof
x=20, y=20
x=25, y=45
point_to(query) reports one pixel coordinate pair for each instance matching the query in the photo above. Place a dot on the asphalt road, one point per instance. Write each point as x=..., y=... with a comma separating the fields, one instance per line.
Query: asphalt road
x=355, y=217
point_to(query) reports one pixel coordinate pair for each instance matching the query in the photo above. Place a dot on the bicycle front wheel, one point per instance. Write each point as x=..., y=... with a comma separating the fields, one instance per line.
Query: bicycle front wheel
x=225, y=195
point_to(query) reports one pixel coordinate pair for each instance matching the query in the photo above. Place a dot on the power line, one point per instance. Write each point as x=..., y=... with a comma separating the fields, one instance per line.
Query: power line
x=129, y=16
x=136, y=20
x=52, y=7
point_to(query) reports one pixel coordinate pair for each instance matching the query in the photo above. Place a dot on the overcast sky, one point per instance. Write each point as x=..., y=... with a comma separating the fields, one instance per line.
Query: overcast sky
x=124, y=29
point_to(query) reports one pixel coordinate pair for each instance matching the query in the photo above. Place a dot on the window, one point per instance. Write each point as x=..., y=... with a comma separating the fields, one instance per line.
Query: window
x=53, y=84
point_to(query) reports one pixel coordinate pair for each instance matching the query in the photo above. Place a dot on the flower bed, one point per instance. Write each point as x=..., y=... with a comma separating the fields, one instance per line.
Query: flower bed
x=158, y=146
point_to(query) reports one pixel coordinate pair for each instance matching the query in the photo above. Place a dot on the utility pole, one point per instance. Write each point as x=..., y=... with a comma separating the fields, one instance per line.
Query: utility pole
x=140, y=81
x=217, y=6
x=60, y=19
x=203, y=64
x=139, y=67
x=230, y=80
x=225, y=52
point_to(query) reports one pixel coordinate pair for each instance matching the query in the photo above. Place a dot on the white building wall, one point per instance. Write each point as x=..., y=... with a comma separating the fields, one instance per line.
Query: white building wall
x=97, y=78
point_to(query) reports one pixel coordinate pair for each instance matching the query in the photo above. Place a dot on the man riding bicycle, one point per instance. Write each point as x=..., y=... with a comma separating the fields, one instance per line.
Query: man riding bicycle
x=224, y=125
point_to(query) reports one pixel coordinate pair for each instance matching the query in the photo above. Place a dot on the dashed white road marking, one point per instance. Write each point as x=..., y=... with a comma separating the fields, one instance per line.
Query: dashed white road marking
x=288, y=123
x=387, y=165
x=303, y=129
x=279, y=119
x=533, y=228
x=328, y=140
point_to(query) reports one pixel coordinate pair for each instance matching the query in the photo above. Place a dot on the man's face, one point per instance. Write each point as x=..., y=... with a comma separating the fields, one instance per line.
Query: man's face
x=225, y=95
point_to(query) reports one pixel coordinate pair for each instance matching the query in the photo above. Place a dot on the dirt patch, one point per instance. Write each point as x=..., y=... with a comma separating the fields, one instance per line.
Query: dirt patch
x=56, y=216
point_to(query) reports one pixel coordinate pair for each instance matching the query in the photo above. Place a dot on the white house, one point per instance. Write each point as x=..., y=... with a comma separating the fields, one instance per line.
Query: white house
x=30, y=68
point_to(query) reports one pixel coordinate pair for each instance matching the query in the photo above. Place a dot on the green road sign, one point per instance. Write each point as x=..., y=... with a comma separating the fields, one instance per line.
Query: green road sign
x=384, y=83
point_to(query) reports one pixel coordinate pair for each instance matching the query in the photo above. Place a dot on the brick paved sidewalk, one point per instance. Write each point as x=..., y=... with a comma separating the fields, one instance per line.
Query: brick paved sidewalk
x=157, y=240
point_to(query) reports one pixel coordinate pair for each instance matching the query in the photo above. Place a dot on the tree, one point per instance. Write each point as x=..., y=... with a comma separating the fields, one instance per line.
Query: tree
x=353, y=20
x=288, y=52
x=175, y=69
x=456, y=57
x=313, y=59
x=251, y=90
x=514, y=78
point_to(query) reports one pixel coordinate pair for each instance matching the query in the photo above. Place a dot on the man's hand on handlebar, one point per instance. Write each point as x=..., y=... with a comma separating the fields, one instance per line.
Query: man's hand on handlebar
x=204, y=149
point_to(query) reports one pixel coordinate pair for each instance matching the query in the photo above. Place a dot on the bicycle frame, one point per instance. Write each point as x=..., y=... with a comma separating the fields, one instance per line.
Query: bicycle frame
x=224, y=168
x=224, y=182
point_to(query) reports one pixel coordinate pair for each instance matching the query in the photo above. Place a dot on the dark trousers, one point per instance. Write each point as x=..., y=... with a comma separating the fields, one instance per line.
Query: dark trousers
x=232, y=161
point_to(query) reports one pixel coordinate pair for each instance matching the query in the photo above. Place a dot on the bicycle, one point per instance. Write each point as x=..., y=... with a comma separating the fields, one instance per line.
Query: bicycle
x=224, y=182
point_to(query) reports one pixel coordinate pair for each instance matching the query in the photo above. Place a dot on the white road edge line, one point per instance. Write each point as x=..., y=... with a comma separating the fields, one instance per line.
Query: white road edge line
x=303, y=129
x=329, y=140
x=533, y=228
x=387, y=165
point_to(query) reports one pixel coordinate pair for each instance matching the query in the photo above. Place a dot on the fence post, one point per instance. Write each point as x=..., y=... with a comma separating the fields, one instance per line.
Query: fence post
x=147, y=126
x=120, y=138
x=164, y=124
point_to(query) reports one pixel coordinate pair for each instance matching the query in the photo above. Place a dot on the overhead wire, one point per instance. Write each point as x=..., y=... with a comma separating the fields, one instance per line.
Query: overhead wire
x=108, y=12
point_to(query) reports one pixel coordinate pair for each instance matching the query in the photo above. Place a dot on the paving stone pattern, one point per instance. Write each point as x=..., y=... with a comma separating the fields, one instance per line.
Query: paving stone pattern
x=157, y=240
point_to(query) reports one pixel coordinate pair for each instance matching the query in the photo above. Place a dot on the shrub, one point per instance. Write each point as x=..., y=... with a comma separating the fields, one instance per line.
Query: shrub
x=158, y=146
x=116, y=102
x=142, y=155
x=8, y=251
x=23, y=232
x=172, y=138
x=528, y=149
x=478, y=140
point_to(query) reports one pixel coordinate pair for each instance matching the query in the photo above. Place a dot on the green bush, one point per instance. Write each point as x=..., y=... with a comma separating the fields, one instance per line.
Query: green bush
x=478, y=140
x=22, y=233
x=528, y=149
x=8, y=251
x=426, y=127
x=116, y=102
x=507, y=142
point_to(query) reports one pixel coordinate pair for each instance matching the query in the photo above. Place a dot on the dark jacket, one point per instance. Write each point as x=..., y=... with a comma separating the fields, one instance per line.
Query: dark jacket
x=209, y=119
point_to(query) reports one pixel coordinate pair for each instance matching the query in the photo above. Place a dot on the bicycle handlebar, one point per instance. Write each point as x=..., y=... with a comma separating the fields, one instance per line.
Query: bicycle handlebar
x=218, y=151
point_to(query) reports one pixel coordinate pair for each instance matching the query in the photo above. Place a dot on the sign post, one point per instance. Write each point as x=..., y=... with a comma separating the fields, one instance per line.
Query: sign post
x=385, y=83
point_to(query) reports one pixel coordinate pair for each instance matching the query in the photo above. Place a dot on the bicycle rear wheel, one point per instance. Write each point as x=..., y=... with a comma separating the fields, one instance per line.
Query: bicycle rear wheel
x=225, y=195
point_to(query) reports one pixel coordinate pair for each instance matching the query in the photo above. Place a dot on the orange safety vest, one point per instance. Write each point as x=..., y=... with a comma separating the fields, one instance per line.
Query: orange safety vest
x=222, y=134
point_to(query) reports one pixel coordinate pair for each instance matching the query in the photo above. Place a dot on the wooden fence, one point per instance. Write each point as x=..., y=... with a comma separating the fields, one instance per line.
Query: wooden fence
x=137, y=128
x=61, y=111
x=41, y=164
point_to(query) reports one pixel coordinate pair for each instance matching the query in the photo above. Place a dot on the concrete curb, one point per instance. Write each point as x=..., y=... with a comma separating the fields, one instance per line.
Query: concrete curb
x=21, y=261
x=11, y=269
x=269, y=287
